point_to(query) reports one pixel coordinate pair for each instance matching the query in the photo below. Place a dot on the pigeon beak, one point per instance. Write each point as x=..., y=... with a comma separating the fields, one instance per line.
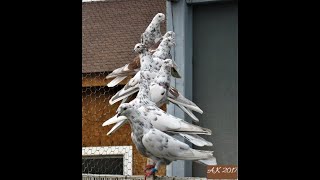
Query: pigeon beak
x=133, y=50
x=118, y=115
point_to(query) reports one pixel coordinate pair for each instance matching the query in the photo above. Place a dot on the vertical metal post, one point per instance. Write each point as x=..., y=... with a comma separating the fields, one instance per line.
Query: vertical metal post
x=179, y=20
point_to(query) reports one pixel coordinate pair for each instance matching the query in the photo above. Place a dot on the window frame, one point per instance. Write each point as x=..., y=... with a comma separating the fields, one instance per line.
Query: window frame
x=124, y=151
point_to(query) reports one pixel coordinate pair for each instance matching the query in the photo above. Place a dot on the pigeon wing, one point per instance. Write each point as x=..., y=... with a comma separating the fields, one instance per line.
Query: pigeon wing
x=121, y=73
x=166, y=122
x=130, y=88
x=162, y=145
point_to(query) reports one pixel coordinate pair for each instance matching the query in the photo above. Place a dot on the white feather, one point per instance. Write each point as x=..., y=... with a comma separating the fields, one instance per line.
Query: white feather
x=116, y=81
x=113, y=120
x=188, y=112
x=185, y=104
x=117, y=126
x=196, y=140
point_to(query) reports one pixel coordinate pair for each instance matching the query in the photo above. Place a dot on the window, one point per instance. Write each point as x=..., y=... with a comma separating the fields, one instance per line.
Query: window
x=107, y=160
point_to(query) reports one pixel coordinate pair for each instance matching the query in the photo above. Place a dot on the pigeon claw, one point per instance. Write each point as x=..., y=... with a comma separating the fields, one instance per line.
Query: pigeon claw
x=152, y=172
x=149, y=166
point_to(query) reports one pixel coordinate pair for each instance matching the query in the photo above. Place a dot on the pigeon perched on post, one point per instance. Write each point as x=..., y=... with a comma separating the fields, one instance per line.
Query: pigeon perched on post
x=157, y=145
x=152, y=128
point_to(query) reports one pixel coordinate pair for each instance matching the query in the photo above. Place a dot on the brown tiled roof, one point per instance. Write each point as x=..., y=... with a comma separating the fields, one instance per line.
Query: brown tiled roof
x=110, y=29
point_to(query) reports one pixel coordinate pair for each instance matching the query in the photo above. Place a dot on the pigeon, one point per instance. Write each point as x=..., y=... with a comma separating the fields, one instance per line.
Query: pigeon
x=164, y=48
x=158, y=94
x=161, y=120
x=156, y=144
x=133, y=67
x=152, y=34
x=160, y=85
x=164, y=52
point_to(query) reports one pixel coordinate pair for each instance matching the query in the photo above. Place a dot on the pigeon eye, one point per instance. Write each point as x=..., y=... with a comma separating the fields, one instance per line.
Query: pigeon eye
x=125, y=108
x=138, y=47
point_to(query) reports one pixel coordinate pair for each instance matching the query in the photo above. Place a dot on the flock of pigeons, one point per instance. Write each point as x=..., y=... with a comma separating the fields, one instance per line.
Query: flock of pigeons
x=152, y=128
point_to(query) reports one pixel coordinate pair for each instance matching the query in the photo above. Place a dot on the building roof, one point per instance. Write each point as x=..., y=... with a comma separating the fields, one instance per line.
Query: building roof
x=111, y=28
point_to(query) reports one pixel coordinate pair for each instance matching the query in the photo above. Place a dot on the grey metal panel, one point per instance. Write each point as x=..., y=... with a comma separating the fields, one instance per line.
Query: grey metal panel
x=179, y=20
x=215, y=78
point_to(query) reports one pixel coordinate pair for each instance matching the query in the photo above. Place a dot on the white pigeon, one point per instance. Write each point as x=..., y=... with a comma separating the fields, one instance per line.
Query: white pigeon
x=160, y=87
x=162, y=120
x=152, y=34
x=157, y=145
x=133, y=67
x=163, y=51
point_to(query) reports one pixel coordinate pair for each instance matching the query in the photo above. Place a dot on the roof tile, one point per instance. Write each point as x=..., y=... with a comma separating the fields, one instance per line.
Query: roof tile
x=110, y=29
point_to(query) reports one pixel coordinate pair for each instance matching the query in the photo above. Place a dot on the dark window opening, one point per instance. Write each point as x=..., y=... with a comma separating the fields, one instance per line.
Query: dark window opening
x=102, y=165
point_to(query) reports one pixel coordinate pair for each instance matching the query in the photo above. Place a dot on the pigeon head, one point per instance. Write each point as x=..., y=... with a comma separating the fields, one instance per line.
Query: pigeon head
x=139, y=48
x=169, y=63
x=169, y=34
x=124, y=109
x=169, y=41
x=159, y=17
